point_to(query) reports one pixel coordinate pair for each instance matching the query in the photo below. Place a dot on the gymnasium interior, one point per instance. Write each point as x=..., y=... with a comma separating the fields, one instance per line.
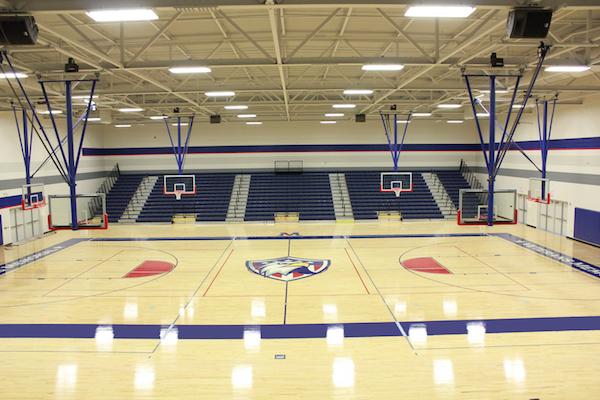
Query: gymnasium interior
x=369, y=199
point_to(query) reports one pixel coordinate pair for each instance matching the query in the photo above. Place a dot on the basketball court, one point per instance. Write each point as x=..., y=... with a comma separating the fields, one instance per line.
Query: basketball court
x=370, y=310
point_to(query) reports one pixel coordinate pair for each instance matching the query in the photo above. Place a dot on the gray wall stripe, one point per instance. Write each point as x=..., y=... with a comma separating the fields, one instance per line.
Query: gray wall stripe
x=49, y=180
x=585, y=179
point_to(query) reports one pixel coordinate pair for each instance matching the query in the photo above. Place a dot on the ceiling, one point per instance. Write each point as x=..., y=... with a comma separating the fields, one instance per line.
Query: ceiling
x=291, y=60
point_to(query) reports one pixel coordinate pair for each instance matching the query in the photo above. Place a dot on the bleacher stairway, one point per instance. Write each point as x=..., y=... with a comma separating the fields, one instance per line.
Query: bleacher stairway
x=441, y=197
x=120, y=195
x=239, y=199
x=138, y=200
x=340, y=197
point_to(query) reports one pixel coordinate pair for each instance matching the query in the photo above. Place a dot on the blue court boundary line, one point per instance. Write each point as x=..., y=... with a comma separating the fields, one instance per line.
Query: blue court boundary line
x=23, y=261
x=299, y=331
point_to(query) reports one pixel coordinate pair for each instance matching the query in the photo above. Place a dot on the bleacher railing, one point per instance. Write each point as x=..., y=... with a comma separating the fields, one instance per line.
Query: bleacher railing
x=439, y=188
x=137, y=196
x=472, y=180
x=345, y=206
x=110, y=180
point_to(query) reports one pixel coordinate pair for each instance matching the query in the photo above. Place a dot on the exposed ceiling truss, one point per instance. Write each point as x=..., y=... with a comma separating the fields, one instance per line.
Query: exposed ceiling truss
x=292, y=61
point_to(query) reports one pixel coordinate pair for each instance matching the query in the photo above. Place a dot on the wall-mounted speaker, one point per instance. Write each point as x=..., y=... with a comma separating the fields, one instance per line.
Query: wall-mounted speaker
x=215, y=119
x=528, y=23
x=18, y=30
x=360, y=118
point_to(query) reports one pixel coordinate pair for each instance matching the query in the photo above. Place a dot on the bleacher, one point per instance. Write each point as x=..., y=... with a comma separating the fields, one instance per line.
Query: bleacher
x=367, y=199
x=120, y=194
x=210, y=203
x=307, y=194
x=453, y=181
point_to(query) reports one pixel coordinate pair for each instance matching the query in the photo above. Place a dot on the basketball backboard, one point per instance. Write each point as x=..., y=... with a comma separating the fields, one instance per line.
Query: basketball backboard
x=179, y=184
x=396, y=182
x=33, y=196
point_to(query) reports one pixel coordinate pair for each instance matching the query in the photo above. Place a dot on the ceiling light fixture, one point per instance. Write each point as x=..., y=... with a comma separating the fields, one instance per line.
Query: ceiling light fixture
x=236, y=107
x=219, y=94
x=402, y=122
x=449, y=106
x=497, y=91
x=358, y=91
x=182, y=124
x=455, y=122
x=334, y=115
x=246, y=116
x=343, y=105
x=48, y=112
x=122, y=15
x=382, y=67
x=122, y=126
x=421, y=115
x=131, y=109
x=329, y=122
x=190, y=70
x=567, y=68
x=12, y=75
x=92, y=119
x=438, y=12
x=253, y=123
x=159, y=117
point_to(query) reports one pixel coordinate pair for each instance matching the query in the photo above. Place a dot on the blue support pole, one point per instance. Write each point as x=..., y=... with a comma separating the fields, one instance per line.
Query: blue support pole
x=395, y=153
x=27, y=149
x=546, y=128
x=71, y=153
x=395, y=147
x=543, y=51
x=179, y=162
x=179, y=152
x=505, y=135
x=487, y=163
x=187, y=139
x=543, y=144
x=491, y=151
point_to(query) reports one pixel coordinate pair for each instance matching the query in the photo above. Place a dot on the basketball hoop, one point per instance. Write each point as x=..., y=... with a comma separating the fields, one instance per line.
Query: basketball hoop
x=397, y=190
x=178, y=194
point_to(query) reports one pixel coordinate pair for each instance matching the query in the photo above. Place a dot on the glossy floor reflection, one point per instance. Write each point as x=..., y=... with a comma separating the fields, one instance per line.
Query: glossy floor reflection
x=375, y=310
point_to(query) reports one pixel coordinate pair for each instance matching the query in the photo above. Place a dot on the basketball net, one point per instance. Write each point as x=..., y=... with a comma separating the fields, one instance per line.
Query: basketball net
x=178, y=194
x=397, y=190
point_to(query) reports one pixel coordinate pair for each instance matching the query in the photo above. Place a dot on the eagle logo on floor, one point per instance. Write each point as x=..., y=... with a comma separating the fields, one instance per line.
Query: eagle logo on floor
x=288, y=268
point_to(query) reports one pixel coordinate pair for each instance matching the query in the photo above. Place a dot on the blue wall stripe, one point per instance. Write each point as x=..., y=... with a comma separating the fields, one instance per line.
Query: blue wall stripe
x=10, y=201
x=300, y=331
x=558, y=144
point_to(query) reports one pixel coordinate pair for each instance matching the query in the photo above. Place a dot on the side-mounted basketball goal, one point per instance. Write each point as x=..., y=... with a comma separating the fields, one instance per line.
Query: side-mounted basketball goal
x=539, y=190
x=473, y=207
x=91, y=211
x=33, y=196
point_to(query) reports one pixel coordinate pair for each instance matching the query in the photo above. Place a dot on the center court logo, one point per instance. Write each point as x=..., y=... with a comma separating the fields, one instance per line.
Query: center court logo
x=288, y=269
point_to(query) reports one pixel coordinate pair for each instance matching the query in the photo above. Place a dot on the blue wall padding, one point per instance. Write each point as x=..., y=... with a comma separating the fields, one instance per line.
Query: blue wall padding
x=587, y=225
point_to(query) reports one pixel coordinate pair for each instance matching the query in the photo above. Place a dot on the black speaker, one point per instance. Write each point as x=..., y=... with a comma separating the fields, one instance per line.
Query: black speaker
x=528, y=23
x=360, y=118
x=18, y=30
x=215, y=119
